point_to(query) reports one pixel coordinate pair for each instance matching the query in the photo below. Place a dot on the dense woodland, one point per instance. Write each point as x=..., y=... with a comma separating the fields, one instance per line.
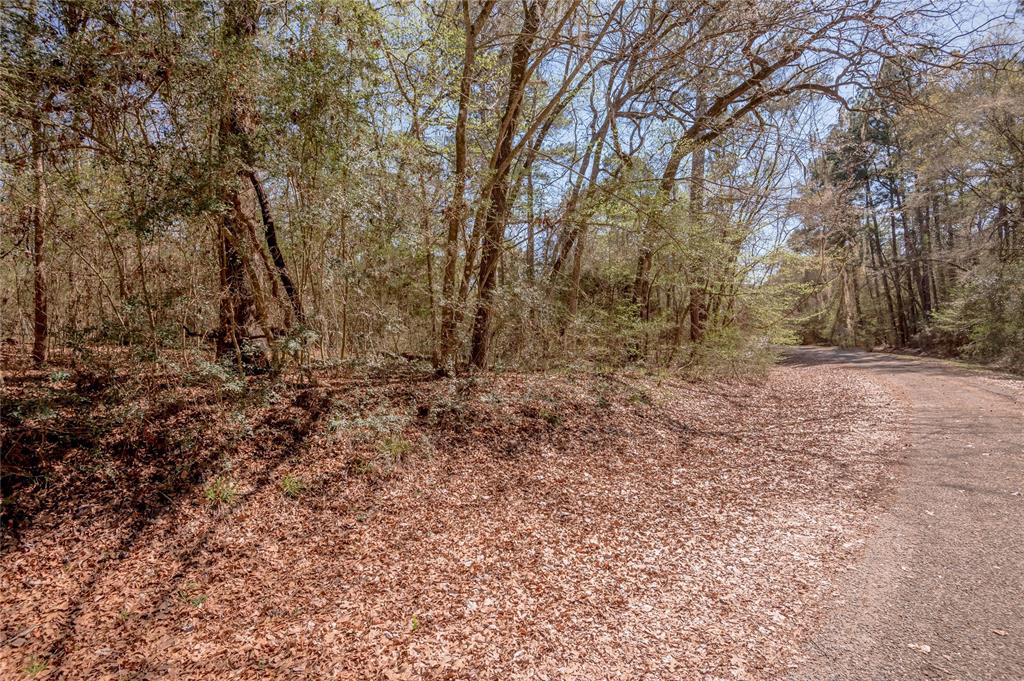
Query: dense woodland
x=437, y=339
x=916, y=213
x=480, y=183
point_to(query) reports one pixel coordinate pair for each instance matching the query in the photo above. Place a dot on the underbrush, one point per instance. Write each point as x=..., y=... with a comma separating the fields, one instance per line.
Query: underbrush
x=132, y=436
x=984, y=321
x=129, y=437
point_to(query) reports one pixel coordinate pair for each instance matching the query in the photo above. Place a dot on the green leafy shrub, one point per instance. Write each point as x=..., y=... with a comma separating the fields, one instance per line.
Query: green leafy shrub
x=985, y=319
x=220, y=376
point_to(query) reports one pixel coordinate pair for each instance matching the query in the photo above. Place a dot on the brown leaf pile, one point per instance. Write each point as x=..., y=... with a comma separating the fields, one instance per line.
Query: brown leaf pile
x=511, y=527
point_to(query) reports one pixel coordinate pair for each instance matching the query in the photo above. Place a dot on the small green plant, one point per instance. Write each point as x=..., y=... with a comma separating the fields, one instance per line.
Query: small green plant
x=370, y=428
x=392, y=451
x=188, y=594
x=414, y=624
x=240, y=428
x=641, y=397
x=45, y=413
x=221, y=491
x=394, y=447
x=292, y=486
x=552, y=417
x=36, y=665
x=362, y=466
x=221, y=376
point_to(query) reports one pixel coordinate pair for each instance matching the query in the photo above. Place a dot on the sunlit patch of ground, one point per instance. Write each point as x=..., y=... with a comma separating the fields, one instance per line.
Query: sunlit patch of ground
x=507, y=527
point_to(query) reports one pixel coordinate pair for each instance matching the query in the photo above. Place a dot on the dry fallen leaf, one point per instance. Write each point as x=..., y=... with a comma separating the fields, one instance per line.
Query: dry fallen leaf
x=665, y=536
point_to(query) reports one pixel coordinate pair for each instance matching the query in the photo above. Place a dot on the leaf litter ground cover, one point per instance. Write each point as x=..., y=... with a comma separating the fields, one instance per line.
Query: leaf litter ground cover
x=504, y=527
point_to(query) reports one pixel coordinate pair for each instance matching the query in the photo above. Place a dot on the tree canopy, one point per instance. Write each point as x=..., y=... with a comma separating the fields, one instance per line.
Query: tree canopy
x=507, y=183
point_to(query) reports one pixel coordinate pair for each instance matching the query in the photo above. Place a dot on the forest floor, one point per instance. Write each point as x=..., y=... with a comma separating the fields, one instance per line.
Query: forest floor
x=173, y=523
x=938, y=592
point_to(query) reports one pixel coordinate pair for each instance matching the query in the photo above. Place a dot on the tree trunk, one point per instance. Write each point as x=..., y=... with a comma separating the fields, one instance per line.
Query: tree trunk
x=236, y=302
x=913, y=267
x=577, y=270
x=270, y=236
x=896, y=320
x=592, y=161
x=497, y=208
x=923, y=246
x=897, y=280
x=531, y=236
x=698, y=301
x=40, y=321
x=641, y=294
x=455, y=216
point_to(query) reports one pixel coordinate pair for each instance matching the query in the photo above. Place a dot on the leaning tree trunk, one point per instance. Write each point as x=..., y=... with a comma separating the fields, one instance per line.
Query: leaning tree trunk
x=270, y=236
x=497, y=208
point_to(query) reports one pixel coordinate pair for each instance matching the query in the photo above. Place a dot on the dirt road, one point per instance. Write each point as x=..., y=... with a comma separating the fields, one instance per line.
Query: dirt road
x=938, y=591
